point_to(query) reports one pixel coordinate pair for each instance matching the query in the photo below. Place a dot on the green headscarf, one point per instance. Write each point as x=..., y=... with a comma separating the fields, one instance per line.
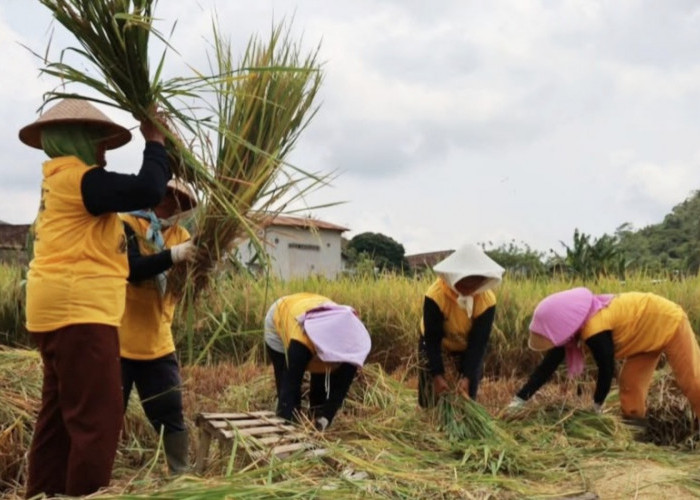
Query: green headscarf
x=72, y=140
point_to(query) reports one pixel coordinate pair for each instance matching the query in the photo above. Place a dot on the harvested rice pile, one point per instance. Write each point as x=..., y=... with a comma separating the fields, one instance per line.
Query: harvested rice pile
x=380, y=445
x=670, y=420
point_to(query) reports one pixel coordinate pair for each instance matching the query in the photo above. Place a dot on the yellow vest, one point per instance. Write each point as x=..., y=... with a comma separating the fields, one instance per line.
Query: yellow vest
x=640, y=322
x=145, y=332
x=457, y=323
x=78, y=273
x=288, y=309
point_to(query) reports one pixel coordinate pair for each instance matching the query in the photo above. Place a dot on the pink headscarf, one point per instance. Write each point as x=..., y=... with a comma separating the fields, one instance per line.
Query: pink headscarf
x=337, y=334
x=559, y=317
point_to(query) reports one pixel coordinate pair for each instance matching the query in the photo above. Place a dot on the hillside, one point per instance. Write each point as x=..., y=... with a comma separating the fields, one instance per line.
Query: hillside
x=672, y=245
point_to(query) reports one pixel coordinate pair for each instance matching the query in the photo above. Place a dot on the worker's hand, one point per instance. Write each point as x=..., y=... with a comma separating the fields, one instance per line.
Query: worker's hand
x=182, y=252
x=321, y=424
x=440, y=385
x=463, y=387
x=597, y=408
x=151, y=131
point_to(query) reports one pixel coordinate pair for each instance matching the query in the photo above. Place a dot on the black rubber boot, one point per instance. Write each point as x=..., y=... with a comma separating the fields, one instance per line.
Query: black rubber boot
x=176, y=450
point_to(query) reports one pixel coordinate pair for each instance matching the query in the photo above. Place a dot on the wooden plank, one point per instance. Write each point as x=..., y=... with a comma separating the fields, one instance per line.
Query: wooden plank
x=250, y=431
x=233, y=416
x=280, y=438
x=202, y=451
x=222, y=424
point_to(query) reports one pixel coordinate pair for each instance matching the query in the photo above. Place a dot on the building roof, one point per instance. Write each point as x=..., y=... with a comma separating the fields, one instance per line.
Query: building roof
x=304, y=222
x=13, y=235
x=427, y=259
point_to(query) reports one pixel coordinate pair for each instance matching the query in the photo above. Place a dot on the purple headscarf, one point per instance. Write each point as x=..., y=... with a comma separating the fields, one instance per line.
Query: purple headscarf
x=337, y=334
x=559, y=317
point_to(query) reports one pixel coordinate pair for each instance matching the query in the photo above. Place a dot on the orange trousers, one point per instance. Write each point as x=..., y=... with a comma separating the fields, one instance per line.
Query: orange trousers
x=683, y=354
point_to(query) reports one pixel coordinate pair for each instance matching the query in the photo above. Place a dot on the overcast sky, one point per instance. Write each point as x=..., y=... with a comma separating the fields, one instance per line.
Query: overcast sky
x=447, y=121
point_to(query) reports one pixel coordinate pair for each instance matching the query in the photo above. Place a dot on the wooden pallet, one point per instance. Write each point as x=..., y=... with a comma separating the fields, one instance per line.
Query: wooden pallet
x=261, y=435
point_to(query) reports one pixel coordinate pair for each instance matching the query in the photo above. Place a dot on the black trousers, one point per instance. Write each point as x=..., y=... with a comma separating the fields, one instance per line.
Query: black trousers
x=322, y=403
x=159, y=387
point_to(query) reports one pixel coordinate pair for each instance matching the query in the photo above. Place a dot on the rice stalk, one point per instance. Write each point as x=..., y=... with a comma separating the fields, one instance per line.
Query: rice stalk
x=262, y=105
x=114, y=38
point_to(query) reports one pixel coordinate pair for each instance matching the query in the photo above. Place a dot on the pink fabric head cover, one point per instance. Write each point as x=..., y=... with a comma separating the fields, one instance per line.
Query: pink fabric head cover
x=559, y=317
x=337, y=334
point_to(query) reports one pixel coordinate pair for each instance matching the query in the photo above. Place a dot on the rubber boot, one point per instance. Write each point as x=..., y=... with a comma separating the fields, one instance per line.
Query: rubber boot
x=176, y=450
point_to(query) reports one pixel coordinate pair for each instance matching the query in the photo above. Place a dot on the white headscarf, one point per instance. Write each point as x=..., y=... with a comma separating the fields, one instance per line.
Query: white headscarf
x=469, y=260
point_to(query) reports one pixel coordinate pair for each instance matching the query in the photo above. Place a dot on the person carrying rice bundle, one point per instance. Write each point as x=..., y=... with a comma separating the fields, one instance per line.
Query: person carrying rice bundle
x=458, y=313
x=309, y=332
x=634, y=327
x=156, y=241
x=76, y=288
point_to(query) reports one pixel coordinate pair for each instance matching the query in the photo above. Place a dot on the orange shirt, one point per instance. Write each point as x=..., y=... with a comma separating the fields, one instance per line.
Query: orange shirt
x=640, y=322
x=78, y=273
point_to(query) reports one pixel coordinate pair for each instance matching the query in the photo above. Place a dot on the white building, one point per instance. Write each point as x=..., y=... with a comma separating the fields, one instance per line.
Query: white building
x=298, y=247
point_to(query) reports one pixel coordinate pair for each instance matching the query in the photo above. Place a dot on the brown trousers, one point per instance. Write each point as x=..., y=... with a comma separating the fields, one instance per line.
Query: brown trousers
x=77, y=429
x=683, y=354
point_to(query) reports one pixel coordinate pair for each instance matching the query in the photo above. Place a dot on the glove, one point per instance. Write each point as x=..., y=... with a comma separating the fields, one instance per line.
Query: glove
x=597, y=408
x=321, y=424
x=182, y=252
x=516, y=403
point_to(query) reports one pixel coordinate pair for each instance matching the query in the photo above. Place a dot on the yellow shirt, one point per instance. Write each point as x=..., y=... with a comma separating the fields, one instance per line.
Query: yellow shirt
x=78, y=273
x=640, y=322
x=457, y=323
x=146, y=328
x=289, y=308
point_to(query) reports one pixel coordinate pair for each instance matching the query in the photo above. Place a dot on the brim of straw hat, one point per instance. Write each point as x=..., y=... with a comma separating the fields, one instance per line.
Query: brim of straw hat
x=186, y=199
x=537, y=342
x=71, y=112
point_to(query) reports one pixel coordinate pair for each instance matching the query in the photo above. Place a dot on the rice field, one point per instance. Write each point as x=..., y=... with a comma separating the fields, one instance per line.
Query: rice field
x=382, y=445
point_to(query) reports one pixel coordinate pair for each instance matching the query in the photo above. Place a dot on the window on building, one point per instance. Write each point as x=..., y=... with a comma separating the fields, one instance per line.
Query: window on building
x=304, y=246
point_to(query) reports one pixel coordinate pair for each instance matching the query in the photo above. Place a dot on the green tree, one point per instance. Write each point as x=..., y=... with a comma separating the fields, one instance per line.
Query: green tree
x=517, y=259
x=387, y=253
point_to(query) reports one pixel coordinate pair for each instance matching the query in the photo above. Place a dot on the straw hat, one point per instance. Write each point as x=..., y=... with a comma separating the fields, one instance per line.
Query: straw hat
x=71, y=111
x=538, y=342
x=185, y=196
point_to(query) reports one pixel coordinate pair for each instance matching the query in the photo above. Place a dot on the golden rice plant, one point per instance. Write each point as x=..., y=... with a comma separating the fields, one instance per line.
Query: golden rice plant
x=262, y=104
x=114, y=38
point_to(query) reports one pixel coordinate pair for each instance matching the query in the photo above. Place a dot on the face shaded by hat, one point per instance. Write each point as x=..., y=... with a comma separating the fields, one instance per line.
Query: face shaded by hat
x=179, y=198
x=76, y=112
x=469, y=270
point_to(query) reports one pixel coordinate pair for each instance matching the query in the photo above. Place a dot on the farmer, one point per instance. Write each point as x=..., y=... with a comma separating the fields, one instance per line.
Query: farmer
x=634, y=327
x=458, y=313
x=155, y=242
x=309, y=332
x=76, y=288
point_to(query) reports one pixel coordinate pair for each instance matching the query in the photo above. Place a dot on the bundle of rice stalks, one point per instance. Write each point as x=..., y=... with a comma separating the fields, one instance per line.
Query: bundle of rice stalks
x=463, y=419
x=20, y=392
x=114, y=36
x=262, y=105
x=669, y=420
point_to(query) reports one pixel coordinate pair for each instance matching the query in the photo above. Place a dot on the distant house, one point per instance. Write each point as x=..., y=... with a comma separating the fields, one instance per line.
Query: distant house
x=297, y=247
x=13, y=243
x=422, y=261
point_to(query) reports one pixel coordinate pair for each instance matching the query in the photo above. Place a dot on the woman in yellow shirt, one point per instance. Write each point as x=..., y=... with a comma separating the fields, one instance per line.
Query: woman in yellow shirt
x=309, y=332
x=458, y=313
x=156, y=242
x=634, y=327
x=76, y=288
